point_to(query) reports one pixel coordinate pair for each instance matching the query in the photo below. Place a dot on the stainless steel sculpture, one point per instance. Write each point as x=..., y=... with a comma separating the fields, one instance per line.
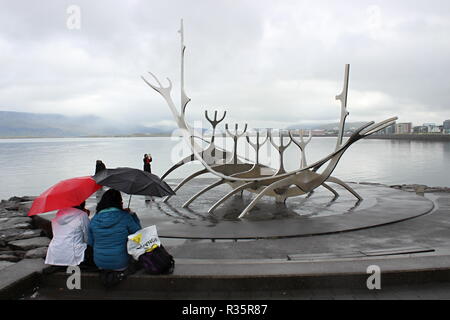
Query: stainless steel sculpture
x=254, y=176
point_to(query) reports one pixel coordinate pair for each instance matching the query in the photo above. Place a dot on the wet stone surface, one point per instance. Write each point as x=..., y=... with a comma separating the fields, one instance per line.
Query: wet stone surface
x=399, y=227
x=19, y=238
x=189, y=229
x=317, y=213
x=28, y=244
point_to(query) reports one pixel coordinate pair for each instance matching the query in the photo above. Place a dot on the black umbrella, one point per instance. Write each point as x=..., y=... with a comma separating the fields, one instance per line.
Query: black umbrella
x=133, y=181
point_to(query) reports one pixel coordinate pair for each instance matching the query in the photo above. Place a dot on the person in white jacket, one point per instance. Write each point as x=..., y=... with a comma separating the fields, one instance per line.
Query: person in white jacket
x=70, y=237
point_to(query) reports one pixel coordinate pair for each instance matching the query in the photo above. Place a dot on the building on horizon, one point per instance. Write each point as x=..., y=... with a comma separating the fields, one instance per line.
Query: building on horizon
x=318, y=132
x=432, y=128
x=420, y=129
x=403, y=128
x=388, y=130
x=446, y=127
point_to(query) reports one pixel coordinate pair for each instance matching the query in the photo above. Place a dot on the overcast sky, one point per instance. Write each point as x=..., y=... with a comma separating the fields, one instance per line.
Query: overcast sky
x=269, y=63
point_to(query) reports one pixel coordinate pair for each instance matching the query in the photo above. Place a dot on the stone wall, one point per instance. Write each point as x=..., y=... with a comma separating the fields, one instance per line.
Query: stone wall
x=20, y=236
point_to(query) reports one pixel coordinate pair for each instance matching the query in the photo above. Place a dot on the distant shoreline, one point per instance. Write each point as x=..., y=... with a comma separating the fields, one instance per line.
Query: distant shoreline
x=93, y=136
x=419, y=137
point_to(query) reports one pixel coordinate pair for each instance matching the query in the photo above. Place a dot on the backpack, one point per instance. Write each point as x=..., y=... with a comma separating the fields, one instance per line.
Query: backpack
x=157, y=261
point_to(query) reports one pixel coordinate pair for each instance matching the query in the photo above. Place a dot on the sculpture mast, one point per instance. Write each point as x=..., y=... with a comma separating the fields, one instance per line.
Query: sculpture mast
x=344, y=113
x=184, y=98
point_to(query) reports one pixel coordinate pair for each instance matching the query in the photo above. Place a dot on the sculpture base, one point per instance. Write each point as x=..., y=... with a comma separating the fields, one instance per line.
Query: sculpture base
x=314, y=214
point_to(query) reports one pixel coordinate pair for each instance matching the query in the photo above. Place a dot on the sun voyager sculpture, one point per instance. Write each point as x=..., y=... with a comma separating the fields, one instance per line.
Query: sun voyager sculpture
x=254, y=176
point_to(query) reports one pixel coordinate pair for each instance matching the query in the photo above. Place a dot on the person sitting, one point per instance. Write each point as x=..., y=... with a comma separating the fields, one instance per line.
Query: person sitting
x=109, y=230
x=69, y=245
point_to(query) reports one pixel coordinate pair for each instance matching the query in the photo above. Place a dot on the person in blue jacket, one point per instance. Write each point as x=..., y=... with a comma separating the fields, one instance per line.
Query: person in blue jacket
x=109, y=230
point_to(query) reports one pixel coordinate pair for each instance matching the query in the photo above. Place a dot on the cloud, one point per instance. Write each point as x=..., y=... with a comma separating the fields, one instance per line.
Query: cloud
x=269, y=63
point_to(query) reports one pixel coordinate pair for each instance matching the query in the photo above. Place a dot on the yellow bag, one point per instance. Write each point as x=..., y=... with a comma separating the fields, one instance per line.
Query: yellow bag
x=145, y=240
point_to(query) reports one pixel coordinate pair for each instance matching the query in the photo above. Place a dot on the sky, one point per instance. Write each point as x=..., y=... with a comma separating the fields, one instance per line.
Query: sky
x=268, y=63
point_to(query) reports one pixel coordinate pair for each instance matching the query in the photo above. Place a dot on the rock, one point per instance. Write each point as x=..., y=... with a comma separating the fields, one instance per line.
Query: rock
x=43, y=224
x=370, y=183
x=12, y=214
x=16, y=205
x=8, y=252
x=20, y=254
x=437, y=189
x=19, y=234
x=17, y=222
x=9, y=205
x=28, y=244
x=21, y=199
x=420, y=188
x=24, y=207
x=4, y=264
x=9, y=257
x=36, y=253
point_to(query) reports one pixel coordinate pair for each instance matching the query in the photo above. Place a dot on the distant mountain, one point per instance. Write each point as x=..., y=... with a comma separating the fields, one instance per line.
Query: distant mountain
x=24, y=124
x=327, y=126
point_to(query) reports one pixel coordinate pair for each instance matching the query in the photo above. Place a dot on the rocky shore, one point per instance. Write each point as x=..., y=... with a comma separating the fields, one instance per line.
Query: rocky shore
x=20, y=236
x=419, y=188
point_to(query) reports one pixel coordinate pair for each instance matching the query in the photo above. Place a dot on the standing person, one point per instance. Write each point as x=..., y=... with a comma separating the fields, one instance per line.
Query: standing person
x=69, y=246
x=147, y=168
x=108, y=235
x=147, y=159
x=99, y=166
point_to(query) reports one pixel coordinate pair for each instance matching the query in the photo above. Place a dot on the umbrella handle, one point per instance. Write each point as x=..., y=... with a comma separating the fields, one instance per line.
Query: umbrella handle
x=129, y=200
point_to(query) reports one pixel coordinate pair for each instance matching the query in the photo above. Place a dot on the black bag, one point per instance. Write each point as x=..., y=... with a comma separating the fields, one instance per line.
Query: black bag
x=158, y=261
x=111, y=278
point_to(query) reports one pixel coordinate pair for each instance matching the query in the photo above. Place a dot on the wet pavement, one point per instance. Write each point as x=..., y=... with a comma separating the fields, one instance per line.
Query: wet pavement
x=259, y=258
x=314, y=214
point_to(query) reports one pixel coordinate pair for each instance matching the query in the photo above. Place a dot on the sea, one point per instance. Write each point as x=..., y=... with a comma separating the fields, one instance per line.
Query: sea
x=30, y=166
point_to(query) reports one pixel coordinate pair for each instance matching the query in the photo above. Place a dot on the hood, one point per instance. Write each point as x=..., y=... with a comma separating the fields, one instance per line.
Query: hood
x=65, y=216
x=108, y=217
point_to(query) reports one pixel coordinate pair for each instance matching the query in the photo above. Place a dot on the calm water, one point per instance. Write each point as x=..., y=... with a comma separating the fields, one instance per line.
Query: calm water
x=29, y=166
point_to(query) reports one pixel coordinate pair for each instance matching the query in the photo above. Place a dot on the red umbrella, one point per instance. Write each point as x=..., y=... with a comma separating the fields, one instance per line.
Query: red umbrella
x=66, y=193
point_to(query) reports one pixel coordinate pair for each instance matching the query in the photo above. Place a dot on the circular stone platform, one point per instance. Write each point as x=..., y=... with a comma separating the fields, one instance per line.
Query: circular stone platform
x=316, y=214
